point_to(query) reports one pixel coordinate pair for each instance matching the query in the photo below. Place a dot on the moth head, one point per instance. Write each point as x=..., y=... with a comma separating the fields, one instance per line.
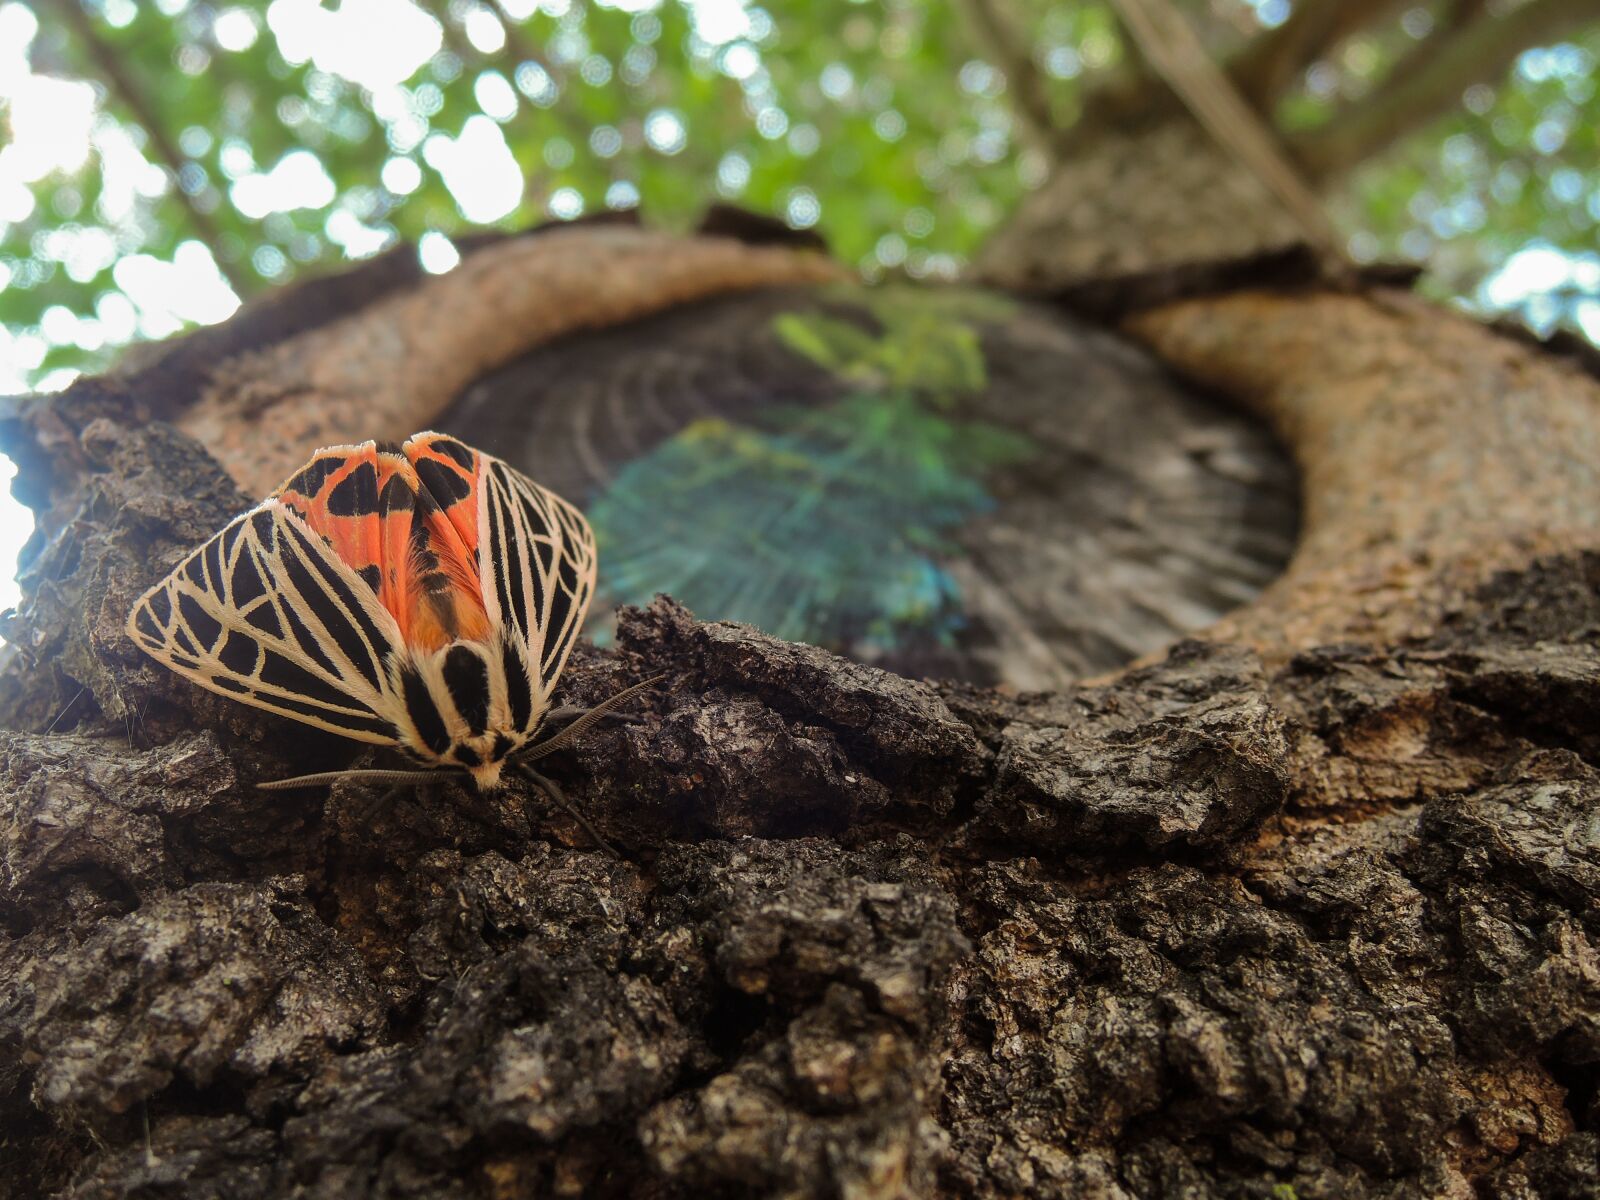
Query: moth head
x=483, y=757
x=487, y=777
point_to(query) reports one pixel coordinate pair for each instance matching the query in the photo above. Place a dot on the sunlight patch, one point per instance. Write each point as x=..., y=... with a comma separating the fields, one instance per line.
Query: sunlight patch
x=478, y=168
x=372, y=43
x=16, y=526
x=299, y=180
x=170, y=294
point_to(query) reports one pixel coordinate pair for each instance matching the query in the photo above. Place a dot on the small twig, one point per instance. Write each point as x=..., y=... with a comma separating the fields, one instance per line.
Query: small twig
x=65, y=709
x=151, y=1159
x=364, y=813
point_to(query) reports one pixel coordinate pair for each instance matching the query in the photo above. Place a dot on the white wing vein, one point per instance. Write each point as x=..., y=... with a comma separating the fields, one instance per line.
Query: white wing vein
x=265, y=611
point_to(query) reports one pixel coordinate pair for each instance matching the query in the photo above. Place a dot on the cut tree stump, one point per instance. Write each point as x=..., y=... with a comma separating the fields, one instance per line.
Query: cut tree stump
x=1305, y=904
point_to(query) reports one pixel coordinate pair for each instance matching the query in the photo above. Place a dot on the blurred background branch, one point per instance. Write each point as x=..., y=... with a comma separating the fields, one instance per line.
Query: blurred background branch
x=1009, y=48
x=1170, y=46
x=1271, y=63
x=1428, y=79
x=128, y=93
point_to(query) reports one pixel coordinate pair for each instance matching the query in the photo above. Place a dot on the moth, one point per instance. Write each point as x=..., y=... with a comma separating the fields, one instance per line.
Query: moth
x=422, y=595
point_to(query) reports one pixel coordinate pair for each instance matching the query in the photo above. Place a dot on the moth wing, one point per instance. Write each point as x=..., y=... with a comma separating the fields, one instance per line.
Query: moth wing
x=266, y=613
x=537, y=557
x=336, y=495
x=448, y=471
x=445, y=562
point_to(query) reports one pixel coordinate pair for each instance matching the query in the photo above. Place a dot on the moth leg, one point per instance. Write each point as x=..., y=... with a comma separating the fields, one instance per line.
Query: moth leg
x=550, y=788
x=571, y=712
x=366, y=812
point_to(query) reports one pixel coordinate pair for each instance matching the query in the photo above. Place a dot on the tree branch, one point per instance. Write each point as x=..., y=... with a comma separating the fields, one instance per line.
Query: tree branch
x=1171, y=47
x=1386, y=404
x=396, y=364
x=1432, y=81
x=131, y=95
x=1028, y=88
x=1265, y=69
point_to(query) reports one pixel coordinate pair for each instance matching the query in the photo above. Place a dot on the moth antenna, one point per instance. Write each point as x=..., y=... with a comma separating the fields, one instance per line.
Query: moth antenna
x=566, y=737
x=327, y=777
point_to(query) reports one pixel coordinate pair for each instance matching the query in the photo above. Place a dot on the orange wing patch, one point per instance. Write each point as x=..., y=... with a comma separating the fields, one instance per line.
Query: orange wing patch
x=449, y=470
x=405, y=517
x=336, y=493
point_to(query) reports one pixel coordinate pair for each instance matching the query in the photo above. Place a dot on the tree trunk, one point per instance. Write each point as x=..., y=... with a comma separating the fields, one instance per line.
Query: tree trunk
x=1137, y=203
x=1307, y=905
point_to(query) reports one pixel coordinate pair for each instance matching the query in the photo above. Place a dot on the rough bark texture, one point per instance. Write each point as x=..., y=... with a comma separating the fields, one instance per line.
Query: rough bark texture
x=1275, y=913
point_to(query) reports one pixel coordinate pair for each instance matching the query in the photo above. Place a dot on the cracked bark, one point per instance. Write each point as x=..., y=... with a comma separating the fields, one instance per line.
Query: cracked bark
x=1308, y=901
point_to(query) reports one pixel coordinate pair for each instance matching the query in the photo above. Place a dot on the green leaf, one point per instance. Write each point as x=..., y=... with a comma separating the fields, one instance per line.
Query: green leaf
x=839, y=346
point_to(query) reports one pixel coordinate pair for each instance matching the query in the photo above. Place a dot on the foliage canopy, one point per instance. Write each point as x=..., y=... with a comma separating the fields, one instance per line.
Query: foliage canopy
x=168, y=158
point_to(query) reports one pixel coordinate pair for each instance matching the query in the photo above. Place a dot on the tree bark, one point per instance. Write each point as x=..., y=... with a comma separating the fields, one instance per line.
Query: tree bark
x=1136, y=204
x=391, y=370
x=1307, y=905
x=1431, y=455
